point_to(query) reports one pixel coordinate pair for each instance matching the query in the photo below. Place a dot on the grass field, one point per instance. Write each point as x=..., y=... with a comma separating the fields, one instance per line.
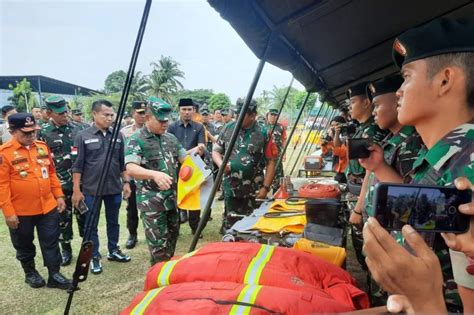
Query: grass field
x=109, y=292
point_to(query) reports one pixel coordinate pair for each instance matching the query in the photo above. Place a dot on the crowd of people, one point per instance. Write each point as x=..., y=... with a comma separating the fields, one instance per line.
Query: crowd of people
x=420, y=123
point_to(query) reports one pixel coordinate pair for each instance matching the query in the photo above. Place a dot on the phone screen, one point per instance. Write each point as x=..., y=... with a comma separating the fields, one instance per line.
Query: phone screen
x=82, y=207
x=358, y=148
x=425, y=208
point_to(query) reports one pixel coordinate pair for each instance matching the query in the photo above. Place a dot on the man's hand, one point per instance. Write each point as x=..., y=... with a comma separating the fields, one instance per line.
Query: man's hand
x=12, y=222
x=227, y=169
x=76, y=198
x=397, y=271
x=375, y=160
x=201, y=149
x=61, y=204
x=127, y=191
x=262, y=193
x=163, y=180
x=463, y=242
x=356, y=217
x=399, y=304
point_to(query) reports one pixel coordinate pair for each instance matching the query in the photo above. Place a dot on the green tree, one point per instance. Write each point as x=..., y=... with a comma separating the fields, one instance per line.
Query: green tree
x=115, y=82
x=219, y=101
x=22, y=97
x=164, y=78
x=202, y=96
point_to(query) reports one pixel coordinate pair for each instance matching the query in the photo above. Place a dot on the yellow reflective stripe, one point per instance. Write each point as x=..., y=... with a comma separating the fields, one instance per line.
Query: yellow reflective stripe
x=247, y=295
x=141, y=307
x=255, y=268
x=165, y=272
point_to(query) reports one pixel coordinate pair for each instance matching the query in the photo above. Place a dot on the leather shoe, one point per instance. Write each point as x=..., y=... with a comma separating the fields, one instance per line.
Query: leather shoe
x=34, y=279
x=67, y=257
x=57, y=280
x=131, y=242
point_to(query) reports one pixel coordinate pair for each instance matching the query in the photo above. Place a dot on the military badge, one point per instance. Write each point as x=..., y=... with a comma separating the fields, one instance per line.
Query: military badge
x=399, y=47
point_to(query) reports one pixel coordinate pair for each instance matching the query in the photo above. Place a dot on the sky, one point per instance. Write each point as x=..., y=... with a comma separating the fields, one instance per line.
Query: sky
x=83, y=41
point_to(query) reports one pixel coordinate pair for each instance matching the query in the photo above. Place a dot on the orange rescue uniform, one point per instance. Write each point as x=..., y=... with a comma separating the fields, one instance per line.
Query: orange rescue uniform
x=341, y=152
x=28, y=182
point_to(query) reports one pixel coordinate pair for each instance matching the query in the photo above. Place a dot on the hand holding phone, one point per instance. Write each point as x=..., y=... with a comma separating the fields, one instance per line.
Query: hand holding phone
x=359, y=148
x=82, y=207
x=425, y=208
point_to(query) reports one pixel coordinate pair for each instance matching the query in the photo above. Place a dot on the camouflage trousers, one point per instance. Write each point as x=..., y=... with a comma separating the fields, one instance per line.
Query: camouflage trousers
x=235, y=209
x=276, y=180
x=65, y=221
x=161, y=224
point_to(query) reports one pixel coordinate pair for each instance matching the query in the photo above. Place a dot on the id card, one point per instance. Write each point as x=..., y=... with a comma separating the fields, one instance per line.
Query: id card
x=44, y=173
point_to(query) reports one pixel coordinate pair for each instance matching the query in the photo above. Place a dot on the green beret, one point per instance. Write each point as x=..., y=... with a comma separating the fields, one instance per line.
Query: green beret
x=441, y=36
x=56, y=103
x=160, y=109
x=357, y=89
x=388, y=84
x=76, y=112
x=139, y=106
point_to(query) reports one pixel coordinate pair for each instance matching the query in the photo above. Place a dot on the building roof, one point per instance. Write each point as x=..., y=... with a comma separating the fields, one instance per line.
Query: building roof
x=46, y=85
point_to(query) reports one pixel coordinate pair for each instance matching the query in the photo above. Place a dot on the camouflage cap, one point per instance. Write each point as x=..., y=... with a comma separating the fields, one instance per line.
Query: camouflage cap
x=204, y=110
x=225, y=111
x=160, y=109
x=76, y=112
x=56, y=103
x=273, y=111
x=240, y=103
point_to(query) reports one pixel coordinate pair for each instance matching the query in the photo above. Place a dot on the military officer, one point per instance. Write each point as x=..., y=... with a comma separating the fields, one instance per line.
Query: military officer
x=58, y=135
x=279, y=137
x=44, y=114
x=152, y=158
x=30, y=198
x=436, y=97
x=138, y=114
x=239, y=184
x=77, y=119
x=5, y=135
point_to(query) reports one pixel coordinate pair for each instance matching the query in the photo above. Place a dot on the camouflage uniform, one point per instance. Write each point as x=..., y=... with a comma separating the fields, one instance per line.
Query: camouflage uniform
x=157, y=208
x=279, y=137
x=240, y=184
x=355, y=175
x=400, y=152
x=450, y=158
x=60, y=142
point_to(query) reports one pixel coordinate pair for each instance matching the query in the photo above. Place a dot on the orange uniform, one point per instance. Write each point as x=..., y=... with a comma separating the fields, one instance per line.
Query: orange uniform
x=28, y=181
x=342, y=153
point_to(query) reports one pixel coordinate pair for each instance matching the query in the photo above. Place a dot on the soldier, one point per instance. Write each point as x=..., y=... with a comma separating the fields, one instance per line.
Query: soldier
x=44, y=116
x=58, y=135
x=5, y=135
x=218, y=120
x=192, y=137
x=399, y=148
x=279, y=138
x=138, y=113
x=436, y=97
x=152, y=158
x=361, y=110
x=30, y=197
x=227, y=115
x=210, y=129
x=36, y=112
x=239, y=184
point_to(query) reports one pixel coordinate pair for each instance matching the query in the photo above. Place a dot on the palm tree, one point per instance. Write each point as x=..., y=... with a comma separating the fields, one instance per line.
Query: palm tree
x=140, y=87
x=164, y=78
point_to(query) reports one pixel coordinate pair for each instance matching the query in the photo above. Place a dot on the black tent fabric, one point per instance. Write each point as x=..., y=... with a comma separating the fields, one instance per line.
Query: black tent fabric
x=328, y=45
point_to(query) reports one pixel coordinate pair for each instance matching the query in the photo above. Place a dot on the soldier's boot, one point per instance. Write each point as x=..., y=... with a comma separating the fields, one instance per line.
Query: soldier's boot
x=32, y=277
x=66, y=254
x=57, y=280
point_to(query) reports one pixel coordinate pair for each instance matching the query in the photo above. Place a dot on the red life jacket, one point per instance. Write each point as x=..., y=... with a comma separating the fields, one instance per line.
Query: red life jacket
x=231, y=298
x=251, y=263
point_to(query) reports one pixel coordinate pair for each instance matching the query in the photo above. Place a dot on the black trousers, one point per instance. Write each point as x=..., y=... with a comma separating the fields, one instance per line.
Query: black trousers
x=47, y=226
x=132, y=212
x=193, y=219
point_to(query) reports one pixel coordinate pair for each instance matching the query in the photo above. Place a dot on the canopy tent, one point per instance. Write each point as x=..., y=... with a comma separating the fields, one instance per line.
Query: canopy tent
x=328, y=45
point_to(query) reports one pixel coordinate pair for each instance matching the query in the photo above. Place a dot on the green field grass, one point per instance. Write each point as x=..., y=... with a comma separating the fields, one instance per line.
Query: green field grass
x=109, y=292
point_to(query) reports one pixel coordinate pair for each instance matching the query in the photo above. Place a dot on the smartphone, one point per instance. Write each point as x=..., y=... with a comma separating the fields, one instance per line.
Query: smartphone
x=359, y=148
x=425, y=208
x=82, y=207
